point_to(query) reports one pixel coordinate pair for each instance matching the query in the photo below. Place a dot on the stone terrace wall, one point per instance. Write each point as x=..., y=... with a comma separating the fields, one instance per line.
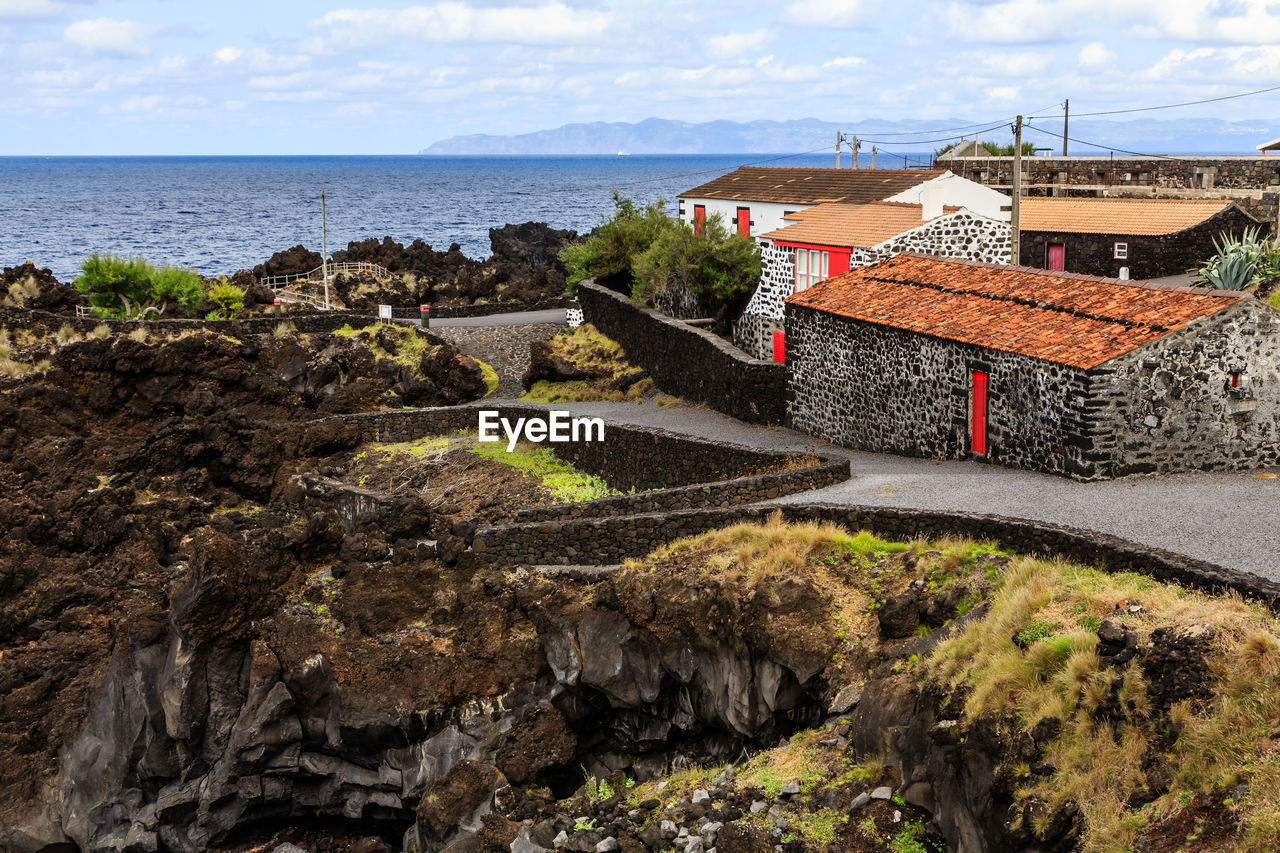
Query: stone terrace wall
x=741, y=490
x=611, y=540
x=689, y=362
x=486, y=309
x=686, y=472
x=303, y=321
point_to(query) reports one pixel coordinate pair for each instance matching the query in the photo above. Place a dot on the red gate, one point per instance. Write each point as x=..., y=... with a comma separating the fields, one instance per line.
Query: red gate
x=978, y=433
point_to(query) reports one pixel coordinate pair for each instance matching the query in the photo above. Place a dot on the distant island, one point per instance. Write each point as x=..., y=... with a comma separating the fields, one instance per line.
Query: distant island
x=669, y=136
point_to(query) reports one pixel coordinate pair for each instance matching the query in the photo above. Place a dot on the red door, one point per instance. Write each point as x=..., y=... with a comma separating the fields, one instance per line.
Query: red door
x=744, y=221
x=779, y=347
x=978, y=436
x=699, y=218
x=1057, y=256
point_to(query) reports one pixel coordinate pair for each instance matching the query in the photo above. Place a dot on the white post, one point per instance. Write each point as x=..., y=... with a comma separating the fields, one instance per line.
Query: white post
x=324, y=250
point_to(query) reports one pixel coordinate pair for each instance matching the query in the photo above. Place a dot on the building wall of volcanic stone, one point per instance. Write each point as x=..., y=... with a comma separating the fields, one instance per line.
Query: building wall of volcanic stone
x=958, y=235
x=1170, y=405
x=1148, y=257
x=875, y=388
x=753, y=332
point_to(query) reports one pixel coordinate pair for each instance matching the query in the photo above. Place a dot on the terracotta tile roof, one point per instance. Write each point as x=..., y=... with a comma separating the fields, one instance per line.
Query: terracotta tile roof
x=811, y=186
x=1137, y=216
x=1066, y=318
x=851, y=225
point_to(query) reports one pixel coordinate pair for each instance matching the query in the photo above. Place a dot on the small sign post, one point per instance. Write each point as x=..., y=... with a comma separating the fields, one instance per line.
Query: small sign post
x=425, y=310
x=384, y=313
x=278, y=306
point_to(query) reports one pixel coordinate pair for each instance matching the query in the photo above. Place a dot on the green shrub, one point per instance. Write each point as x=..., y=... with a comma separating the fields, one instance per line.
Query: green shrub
x=1241, y=262
x=229, y=299
x=611, y=251
x=130, y=288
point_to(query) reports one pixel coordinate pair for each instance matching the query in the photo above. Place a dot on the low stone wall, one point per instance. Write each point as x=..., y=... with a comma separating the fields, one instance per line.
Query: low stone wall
x=687, y=361
x=741, y=490
x=604, y=541
x=487, y=309
x=303, y=321
x=683, y=471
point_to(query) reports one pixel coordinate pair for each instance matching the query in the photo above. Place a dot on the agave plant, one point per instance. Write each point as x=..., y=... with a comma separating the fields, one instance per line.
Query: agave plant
x=1241, y=262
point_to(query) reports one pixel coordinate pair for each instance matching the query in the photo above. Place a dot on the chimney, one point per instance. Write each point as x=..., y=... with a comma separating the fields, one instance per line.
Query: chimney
x=930, y=201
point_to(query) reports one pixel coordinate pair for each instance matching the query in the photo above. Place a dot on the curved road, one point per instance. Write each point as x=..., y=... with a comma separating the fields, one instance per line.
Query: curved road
x=1232, y=519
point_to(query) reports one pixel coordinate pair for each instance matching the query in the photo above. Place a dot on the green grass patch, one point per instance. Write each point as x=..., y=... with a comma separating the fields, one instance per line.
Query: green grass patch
x=490, y=377
x=565, y=482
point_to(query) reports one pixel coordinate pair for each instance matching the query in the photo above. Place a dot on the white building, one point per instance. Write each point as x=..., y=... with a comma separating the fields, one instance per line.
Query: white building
x=754, y=200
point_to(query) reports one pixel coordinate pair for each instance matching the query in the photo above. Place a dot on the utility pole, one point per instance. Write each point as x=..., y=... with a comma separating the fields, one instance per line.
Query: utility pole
x=839, y=139
x=324, y=250
x=1015, y=219
x=854, y=147
x=1066, y=114
x=873, y=158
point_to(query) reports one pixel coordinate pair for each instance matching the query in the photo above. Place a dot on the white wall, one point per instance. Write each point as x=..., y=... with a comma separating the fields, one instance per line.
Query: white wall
x=961, y=192
x=765, y=216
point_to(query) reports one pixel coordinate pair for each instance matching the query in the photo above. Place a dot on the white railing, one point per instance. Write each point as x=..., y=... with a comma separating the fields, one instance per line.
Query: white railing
x=304, y=298
x=276, y=282
x=84, y=312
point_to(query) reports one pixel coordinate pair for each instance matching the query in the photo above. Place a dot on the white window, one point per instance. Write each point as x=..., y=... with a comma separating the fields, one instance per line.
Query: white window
x=1122, y=251
x=811, y=267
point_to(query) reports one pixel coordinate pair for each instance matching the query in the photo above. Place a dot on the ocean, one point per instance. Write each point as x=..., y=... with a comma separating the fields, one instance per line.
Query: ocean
x=221, y=214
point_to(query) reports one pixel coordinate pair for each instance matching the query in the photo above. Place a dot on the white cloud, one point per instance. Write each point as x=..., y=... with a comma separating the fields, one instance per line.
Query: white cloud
x=228, y=54
x=831, y=13
x=453, y=22
x=1004, y=94
x=1037, y=21
x=1016, y=64
x=30, y=10
x=1096, y=56
x=737, y=44
x=109, y=36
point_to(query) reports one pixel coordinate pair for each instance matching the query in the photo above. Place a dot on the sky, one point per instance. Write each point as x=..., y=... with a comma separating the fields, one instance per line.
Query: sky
x=289, y=77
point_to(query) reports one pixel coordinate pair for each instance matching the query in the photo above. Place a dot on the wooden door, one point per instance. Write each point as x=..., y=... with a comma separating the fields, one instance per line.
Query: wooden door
x=978, y=428
x=744, y=221
x=699, y=218
x=1057, y=256
x=779, y=347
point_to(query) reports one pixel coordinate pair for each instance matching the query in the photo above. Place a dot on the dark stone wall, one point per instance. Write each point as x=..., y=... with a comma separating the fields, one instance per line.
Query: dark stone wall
x=303, y=321
x=1249, y=181
x=683, y=471
x=687, y=361
x=1169, y=406
x=611, y=540
x=885, y=390
x=1149, y=257
x=487, y=309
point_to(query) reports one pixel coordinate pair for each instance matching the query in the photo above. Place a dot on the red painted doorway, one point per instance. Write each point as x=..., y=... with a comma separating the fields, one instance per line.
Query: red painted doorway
x=699, y=218
x=779, y=346
x=978, y=428
x=744, y=221
x=1057, y=257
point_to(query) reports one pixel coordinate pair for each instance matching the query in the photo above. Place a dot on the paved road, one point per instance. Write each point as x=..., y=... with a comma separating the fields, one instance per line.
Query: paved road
x=1232, y=519
x=523, y=318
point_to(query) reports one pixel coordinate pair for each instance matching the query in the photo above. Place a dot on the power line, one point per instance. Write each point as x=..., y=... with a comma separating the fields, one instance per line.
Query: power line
x=720, y=170
x=1183, y=104
x=939, y=139
x=1058, y=134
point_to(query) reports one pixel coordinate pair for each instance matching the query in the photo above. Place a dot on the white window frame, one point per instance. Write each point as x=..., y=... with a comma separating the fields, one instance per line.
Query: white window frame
x=805, y=261
x=1122, y=251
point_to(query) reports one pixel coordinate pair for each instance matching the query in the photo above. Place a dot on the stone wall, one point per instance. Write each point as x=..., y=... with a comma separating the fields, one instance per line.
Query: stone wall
x=1254, y=182
x=485, y=309
x=753, y=332
x=885, y=390
x=687, y=361
x=1149, y=256
x=685, y=471
x=605, y=541
x=1169, y=406
x=957, y=235
x=303, y=321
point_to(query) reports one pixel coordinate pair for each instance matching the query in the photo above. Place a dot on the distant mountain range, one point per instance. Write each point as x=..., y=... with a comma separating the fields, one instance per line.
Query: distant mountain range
x=667, y=136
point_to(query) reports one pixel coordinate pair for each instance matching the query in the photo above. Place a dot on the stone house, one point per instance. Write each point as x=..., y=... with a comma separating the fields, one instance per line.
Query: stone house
x=829, y=239
x=755, y=199
x=1149, y=237
x=1075, y=375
